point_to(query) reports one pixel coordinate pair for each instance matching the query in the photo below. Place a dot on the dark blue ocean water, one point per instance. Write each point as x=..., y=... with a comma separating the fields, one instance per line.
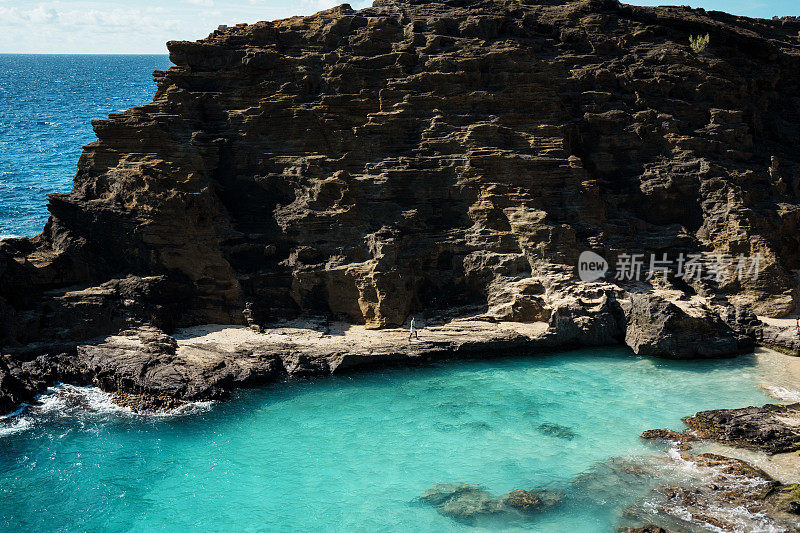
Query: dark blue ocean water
x=46, y=105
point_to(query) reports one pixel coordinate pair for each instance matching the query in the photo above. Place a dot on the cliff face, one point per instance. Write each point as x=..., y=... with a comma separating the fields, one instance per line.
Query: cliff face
x=423, y=156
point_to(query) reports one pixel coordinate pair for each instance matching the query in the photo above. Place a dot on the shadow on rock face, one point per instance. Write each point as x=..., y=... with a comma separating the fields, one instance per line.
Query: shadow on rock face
x=470, y=504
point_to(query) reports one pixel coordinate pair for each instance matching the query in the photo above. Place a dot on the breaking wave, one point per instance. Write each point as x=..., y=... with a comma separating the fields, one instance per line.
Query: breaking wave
x=80, y=402
x=13, y=423
x=694, y=476
x=783, y=393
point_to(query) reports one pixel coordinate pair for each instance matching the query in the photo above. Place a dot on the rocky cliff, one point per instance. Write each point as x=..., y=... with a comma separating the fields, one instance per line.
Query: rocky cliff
x=440, y=158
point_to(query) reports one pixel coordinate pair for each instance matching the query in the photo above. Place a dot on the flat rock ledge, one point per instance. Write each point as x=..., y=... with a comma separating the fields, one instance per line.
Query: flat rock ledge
x=149, y=370
x=770, y=428
x=207, y=362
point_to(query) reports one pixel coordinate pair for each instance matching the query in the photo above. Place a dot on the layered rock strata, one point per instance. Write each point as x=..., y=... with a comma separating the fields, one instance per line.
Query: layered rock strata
x=438, y=158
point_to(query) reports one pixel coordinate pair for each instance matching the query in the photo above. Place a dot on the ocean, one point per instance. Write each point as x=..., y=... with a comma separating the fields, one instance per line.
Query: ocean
x=354, y=453
x=348, y=453
x=47, y=103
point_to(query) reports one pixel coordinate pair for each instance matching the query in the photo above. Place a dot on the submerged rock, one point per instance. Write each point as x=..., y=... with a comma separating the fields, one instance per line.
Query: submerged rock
x=461, y=502
x=557, y=430
x=531, y=501
x=469, y=503
x=523, y=500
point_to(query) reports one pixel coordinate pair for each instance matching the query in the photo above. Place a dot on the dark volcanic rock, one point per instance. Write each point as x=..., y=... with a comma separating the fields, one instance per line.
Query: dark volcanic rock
x=12, y=391
x=419, y=154
x=666, y=434
x=660, y=328
x=784, y=340
x=723, y=494
x=143, y=362
x=424, y=157
x=679, y=439
x=771, y=428
x=143, y=403
x=735, y=498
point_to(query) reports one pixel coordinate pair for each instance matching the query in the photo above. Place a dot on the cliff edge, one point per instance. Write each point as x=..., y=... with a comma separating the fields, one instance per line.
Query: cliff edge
x=443, y=158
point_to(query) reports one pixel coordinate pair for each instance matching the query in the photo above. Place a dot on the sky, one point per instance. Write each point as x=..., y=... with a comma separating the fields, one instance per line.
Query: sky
x=144, y=26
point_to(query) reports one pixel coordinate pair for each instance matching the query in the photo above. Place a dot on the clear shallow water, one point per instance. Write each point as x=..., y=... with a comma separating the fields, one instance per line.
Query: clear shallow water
x=352, y=453
x=46, y=105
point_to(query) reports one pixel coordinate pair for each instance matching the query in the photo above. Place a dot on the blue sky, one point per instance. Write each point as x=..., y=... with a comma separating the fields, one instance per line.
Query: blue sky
x=143, y=26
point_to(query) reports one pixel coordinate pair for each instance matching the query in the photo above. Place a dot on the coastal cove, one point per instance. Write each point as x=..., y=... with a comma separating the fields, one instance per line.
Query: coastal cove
x=355, y=452
x=427, y=265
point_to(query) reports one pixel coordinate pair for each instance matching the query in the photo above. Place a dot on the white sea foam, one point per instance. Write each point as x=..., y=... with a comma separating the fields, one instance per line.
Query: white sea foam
x=782, y=393
x=190, y=408
x=9, y=425
x=72, y=399
x=685, y=466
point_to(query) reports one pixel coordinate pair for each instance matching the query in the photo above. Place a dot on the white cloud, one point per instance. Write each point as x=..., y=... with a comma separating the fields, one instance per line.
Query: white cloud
x=97, y=19
x=42, y=15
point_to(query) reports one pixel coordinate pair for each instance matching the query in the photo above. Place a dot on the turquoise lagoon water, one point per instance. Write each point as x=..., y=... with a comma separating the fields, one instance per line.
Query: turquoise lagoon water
x=354, y=452
x=350, y=453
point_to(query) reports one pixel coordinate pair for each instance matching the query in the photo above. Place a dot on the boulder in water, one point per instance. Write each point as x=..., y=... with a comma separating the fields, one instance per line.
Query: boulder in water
x=771, y=428
x=464, y=502
x=460, y=501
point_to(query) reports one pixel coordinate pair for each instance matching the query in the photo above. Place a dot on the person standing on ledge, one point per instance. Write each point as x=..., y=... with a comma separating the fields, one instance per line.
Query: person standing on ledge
x=413, y=331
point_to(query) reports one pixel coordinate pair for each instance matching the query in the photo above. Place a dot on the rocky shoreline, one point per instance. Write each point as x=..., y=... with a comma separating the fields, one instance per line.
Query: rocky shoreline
x=299, y=189
x=149, y=369
x=771, y=429
x=452, y=160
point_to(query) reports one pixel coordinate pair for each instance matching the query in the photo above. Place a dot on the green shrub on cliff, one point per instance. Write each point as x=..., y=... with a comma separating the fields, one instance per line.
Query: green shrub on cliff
x=699, y=42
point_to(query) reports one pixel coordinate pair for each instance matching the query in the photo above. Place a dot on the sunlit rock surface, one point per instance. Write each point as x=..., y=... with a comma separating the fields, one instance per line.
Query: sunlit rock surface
x=432, y=158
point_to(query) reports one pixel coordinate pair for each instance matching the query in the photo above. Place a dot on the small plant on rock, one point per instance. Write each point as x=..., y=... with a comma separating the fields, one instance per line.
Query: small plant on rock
x=699, y=43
